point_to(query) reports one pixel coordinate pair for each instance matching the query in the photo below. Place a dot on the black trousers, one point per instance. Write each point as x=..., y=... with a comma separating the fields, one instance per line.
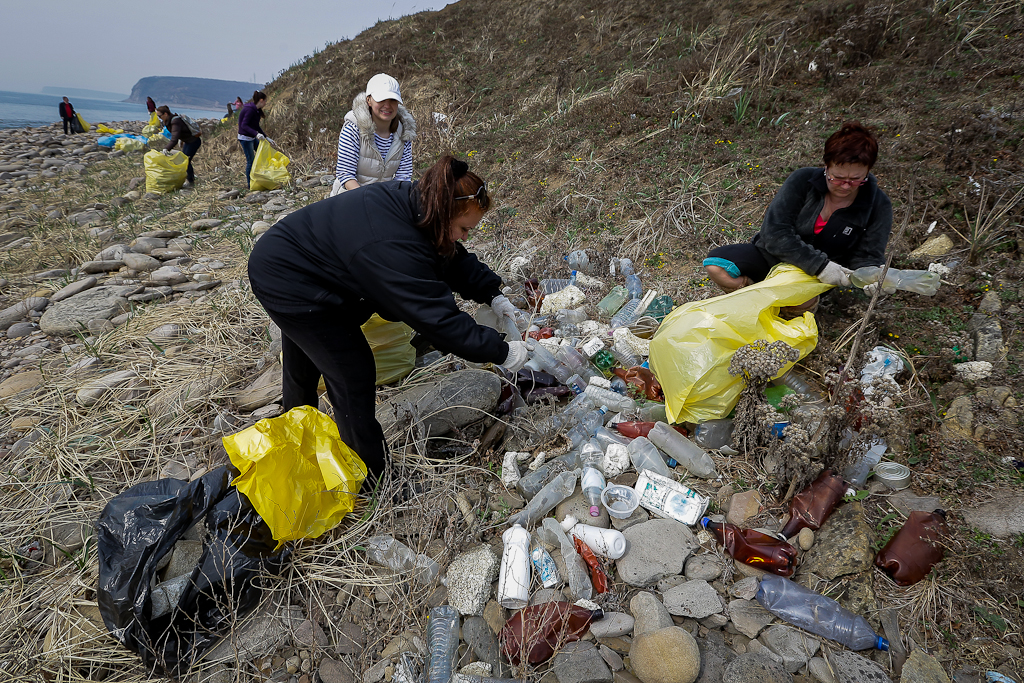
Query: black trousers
x=328, y=343
x=189, y=149
x=67, y=124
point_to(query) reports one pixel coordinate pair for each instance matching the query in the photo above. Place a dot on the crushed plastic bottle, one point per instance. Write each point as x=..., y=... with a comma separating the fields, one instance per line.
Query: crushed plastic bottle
x=609, y=398
x=751, y=547
x=588, y=426
x=919, y=281
x=442, y=643
x=627, y=315
x=557, y=490
x=858, y=472
x=645, y=456
x=576, y=572
x=400, y=558
x=579, y=260
x=915, y=549
x=614, y=300
x=534, y=633
x=660, y=307
x=819, y=614
x=571, y=315
x=812, y=506
x=691, y=456
x=531, y=483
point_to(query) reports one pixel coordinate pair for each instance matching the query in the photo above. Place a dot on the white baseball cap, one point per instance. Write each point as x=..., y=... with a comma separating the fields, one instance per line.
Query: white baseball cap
x=383, y=87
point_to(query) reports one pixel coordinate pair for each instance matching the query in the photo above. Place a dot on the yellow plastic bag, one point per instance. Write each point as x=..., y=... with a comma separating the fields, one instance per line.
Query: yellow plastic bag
x=691, y=351
x=129, y=145
x=394, y=355
x=83, y=123
x=165, y=173
x=157, y=142
x=297, y=472
x=154, y=126
x=100, y=128
x=269, y=168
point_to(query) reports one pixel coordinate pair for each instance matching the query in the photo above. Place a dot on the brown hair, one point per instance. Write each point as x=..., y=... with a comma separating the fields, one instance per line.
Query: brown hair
x=851, y=144
x=440, y=184
x=258, y=95
x=163, y=109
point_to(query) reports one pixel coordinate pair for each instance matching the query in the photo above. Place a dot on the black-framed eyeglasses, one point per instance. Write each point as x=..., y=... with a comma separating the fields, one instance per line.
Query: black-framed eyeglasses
x=849, y=183
x=480, y=196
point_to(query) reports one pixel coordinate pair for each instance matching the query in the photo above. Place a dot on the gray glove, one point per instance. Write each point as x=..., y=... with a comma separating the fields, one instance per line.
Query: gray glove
x=871, y=289
x=502, y=306
x=835, y=275
x=261, y=136
x=518, y=354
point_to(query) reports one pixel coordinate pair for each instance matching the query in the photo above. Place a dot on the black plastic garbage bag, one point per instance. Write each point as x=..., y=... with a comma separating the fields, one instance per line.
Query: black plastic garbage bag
x=138, y=527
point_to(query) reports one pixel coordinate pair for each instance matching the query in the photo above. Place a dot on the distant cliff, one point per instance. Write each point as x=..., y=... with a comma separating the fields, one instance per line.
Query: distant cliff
x=200, y=93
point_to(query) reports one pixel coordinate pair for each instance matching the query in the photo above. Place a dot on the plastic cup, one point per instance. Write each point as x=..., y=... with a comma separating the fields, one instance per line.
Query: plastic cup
x=620, y=501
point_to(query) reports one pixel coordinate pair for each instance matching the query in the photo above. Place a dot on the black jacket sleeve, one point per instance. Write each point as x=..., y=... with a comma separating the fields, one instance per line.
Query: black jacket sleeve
x=779, y=236
x=471, y=279
x=406, y=286
x=175, y=128
x=870, y=251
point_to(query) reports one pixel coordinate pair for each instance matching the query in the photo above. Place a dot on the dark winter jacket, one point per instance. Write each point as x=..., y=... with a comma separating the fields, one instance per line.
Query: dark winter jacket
x=853, y=237
x=179, y=131
x=66, y=110
x=249, y=121
x=360, y=252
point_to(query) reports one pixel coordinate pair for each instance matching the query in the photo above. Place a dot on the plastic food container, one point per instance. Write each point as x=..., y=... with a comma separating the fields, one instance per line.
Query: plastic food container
x=620, y=501
x=893, y=475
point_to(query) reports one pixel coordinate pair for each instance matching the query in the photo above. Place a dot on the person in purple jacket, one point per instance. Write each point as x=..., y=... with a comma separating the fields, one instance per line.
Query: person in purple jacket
x=249, y=130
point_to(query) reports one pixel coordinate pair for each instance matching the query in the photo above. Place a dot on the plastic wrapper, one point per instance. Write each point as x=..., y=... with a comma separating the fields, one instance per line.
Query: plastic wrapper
x=534, y=632
x=298, y=473
x=165, y=173
x=597, y=575
x=138, y=527
x=691, y=352
x=269, y=168
x=642, y=381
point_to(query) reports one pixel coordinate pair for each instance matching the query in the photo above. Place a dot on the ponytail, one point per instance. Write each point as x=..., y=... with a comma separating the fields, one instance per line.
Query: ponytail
x=440, y=184
x=258, y=95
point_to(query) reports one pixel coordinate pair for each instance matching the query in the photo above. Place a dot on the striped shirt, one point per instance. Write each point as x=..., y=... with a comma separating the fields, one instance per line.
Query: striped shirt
x=348, y=154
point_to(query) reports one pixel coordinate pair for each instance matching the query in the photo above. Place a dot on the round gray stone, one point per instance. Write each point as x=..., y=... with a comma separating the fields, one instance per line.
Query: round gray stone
x=747, y=668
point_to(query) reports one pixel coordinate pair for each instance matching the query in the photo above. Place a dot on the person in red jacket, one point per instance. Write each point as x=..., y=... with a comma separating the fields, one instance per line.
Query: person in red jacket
x=150, y=105
x=67, y=115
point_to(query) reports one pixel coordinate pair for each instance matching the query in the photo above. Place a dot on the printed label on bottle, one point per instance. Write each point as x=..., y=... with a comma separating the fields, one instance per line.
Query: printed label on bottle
x=592, y=346
x=667, y=498
x=545, y=566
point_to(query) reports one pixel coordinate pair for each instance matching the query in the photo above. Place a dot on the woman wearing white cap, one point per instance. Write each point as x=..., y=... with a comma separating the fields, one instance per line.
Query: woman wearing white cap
x=375, y=143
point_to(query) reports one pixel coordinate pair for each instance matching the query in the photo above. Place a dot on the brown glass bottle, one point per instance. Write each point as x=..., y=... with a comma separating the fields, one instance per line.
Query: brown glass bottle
x=915, y=549
x=812, y=506
x=764, y=552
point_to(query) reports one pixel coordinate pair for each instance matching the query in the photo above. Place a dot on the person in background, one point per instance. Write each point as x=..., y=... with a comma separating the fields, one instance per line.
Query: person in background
x=231, y=112
x=67, y=115
x=190, y=142
x=827, y=221
x=239, y=103
x=375, y=143
x=390, y=248
x=150, y=105
x=249, y=130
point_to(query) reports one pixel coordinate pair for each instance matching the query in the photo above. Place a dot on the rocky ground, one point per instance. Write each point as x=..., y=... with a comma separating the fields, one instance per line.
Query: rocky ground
x=132, y=344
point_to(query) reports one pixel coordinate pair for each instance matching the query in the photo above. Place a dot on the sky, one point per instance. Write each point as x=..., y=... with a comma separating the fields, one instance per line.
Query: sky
x=110, y=44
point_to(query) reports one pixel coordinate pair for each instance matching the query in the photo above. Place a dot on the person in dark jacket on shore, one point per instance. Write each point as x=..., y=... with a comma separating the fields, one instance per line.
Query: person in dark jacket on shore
x=249, y=131
x=388, y=248
x=150, y=105
x=828, y=222
x=190, y=142
x=67, y=115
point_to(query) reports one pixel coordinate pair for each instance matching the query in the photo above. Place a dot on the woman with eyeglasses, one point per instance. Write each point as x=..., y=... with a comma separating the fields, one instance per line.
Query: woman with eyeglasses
x=828, y=222
x=392, y=249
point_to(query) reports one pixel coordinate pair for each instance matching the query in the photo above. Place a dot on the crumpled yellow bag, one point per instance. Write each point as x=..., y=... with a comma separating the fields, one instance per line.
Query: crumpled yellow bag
x=82, y=122
x=691, y=351
x=297, y=472
x=269, y=168
x=129, y=145
x=165, y=173
x=154, y=126
x=100, y=128
x=157, y=142
x=394, y=355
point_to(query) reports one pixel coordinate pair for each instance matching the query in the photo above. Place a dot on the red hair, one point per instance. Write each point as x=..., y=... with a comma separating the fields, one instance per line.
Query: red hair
x=440, y=184
x=851, y=144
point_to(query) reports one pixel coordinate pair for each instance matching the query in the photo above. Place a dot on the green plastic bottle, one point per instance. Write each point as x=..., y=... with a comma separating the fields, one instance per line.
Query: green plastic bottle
x=660, y=307
x=615, y=300
x=604, y=360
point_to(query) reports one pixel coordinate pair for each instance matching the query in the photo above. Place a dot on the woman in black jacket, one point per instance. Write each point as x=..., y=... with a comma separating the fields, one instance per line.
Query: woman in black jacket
x=828, y=221
x=387, y=248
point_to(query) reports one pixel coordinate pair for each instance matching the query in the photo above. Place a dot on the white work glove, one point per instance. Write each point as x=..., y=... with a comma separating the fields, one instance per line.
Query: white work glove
x=261, y=136
x=271, y=141
x=871, y=289
x=166, y=152
x=518, y=354
x=834, y=274
x=502, y=306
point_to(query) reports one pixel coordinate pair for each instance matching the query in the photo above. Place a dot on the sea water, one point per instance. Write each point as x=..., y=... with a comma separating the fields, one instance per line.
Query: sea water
x=22, y=110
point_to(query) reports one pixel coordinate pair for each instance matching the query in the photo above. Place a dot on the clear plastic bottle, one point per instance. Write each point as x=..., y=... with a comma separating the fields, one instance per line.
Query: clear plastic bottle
x=442, y=643
x=634, y=286
x=605, y=437
x=571, y=315
x=578, y=260
x=619, y=386
x=800, y=384
x=550, y=286
x=653, y=412
x=627, y=315
x=819, y=614
x=589, y=423
x=548, y=362
x=533, y=482
x=577, y=384
x=691, y=456
x=400, y=558
x=713, y=433
x=645, y=456
x=571, y=357
x=919, y=281
x=592, y=481
x=576, y=572
x=625, y=354
x=625, y=266
x=557, y=490
x=609, y=398
x=615, y=299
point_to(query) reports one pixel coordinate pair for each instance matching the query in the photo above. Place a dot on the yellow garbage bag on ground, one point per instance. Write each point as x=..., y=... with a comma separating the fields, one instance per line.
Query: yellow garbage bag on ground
x=394, y=355
x=691, y=351
x=297, y=472
x=165, y=173
x=100, y=128
x=129, y=145
x=154, y=126
x=157, y=142
x=269, y=168
x=83, y=123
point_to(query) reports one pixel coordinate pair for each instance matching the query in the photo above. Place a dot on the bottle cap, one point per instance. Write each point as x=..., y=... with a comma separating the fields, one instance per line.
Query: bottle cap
x=595, y=511
x=883, y=644
x=672, y=462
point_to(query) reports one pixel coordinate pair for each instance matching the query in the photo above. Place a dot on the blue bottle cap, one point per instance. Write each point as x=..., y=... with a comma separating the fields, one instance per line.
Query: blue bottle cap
x=672, y=462
x=883, y=644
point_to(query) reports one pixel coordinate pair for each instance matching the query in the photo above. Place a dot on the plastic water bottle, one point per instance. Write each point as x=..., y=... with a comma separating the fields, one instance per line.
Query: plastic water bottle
x=653, y=412
x=531, y=483
x=577, y=384
x=400, y=558
x=619, y=386
x=592, y=481
x=858, y=472
x=548, y=362
x=615, y=299
x=691, y=456
x=557, y=490
x=571, y=315
x=627, y=315
x=571, y=357
x=918, y=281
x=552, y=285
x=644, y=456
x=819, y=614
x=443, y=643
x=609, y=398
x=605, y=437
x=800, y=384
x=713, y=433
x=589, y=424
x=625, y=354
x=578, y=260
x=634, y=286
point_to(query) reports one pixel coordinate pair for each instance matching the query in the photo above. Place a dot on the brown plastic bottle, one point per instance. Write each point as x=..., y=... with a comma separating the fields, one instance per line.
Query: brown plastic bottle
x=915, y=549
x=812, y=506
x=535, y=632
x=762, y=551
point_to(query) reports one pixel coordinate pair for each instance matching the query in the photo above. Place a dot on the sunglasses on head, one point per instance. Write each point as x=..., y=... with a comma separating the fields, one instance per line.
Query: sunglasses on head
x=480, y=196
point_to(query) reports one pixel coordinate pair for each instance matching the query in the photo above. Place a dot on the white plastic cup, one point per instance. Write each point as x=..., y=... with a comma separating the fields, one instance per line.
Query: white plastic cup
x=620, y=501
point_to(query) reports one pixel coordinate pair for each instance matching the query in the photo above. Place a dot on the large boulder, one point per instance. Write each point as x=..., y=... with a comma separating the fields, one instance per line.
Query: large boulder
x=656, y=549
x=435, y=409
x=668, y=655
